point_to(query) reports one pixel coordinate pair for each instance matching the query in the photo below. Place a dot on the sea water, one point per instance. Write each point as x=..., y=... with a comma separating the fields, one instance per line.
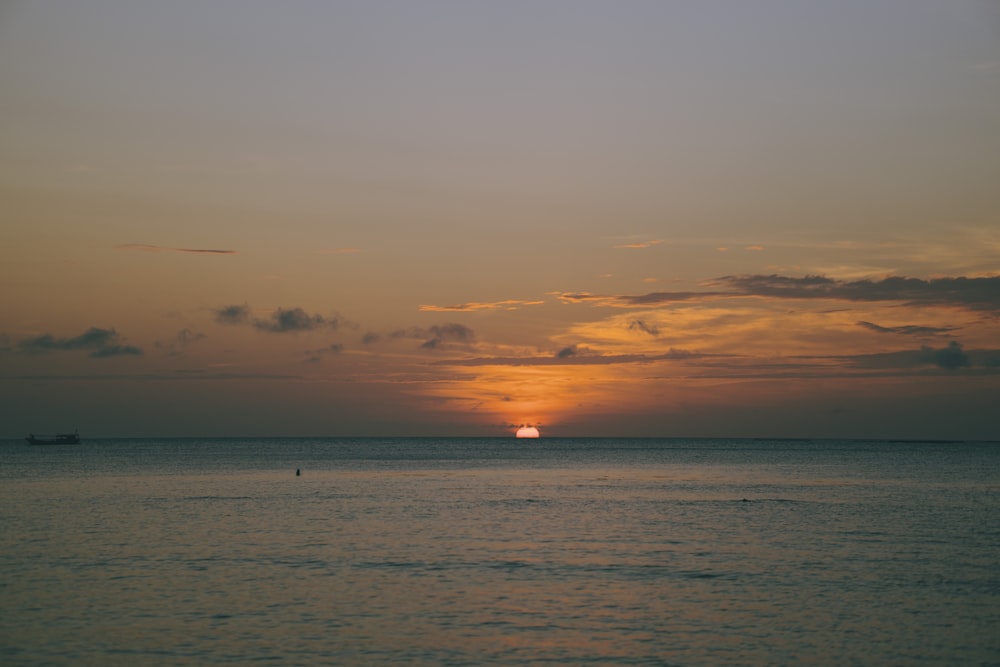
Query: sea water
x=499, y=552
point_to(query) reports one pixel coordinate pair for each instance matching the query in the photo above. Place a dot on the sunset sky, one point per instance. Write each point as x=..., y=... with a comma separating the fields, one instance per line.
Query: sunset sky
x=639, y=218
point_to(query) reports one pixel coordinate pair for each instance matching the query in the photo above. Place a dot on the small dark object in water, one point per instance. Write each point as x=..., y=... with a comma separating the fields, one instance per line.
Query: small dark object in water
x=745, y=500
x=298, y=472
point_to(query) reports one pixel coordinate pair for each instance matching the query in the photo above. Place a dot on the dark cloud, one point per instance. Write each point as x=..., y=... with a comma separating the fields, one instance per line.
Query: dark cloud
x=233, y=314
x=102, y=343
x=640, y=325
x=566, y=352
x=434, y=336
x=906, y=330
x=370, y=338
x=667, y=297
x=294, y=319
x=972, y=293
x=950, y=358
x=448, y=333
x=282, y=320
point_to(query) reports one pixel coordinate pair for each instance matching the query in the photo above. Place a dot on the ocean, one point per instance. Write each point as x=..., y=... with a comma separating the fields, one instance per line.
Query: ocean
x=462, y=551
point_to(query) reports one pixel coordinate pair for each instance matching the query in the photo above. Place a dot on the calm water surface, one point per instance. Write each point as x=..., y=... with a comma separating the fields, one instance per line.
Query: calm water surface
x=500, y=552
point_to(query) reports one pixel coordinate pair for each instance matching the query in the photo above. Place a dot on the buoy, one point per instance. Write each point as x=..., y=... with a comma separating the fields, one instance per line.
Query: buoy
x=298, y=472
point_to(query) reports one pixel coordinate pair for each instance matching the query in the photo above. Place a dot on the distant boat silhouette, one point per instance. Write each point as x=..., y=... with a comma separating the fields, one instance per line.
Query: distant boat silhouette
x=57, y=439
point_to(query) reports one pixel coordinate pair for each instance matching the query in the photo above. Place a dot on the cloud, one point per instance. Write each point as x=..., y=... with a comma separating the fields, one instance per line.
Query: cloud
x=906, y=330
x=115, y=351
x=640, y=325
x=979, y=293
x=155, y=248
x=232, y=314
x=665, y=297
x=507, y=304
x=950, y=358
x=293, y=319
x=448, y=333
x=975, y=293
x=282, y=320
x=183, y=338
x=102, y=343
x=435, y=336
x=370, y=338
x=574, y=356
x=316, y=356
x=186, y=337
x=625, y=301
x=639, y=246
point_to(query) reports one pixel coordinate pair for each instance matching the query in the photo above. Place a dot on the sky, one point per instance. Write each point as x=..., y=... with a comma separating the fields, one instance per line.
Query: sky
x=772, y=218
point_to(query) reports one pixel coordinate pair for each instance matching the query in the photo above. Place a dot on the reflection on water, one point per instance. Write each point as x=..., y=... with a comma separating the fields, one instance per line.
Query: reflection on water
x=482, y=552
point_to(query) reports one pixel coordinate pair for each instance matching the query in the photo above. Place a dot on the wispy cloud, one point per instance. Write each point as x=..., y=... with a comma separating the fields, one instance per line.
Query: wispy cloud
x=184, y=375
x=145, y=247
x=184, y=338
x=102, y=343
x=639, y=245
x=653, y=298
x=316, y=356
x=907, y=329
x=506, y=304
x=339, y=251
x=576, y=356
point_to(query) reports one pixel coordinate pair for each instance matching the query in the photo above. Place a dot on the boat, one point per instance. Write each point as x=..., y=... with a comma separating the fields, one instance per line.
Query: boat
x=57, y=439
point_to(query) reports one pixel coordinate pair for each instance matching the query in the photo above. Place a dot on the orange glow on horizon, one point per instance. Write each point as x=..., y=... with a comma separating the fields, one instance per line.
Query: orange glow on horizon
x=527, y=432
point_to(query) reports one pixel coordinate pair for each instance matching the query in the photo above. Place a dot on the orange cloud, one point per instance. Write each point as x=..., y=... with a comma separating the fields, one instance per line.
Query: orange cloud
x=640, y=245
x=507, y=304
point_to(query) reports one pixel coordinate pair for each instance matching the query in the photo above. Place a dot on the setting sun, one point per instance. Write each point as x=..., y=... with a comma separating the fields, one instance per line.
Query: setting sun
x=528, y=432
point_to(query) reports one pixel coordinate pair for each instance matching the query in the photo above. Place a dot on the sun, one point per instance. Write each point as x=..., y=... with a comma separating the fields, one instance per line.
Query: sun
x=527, y=432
